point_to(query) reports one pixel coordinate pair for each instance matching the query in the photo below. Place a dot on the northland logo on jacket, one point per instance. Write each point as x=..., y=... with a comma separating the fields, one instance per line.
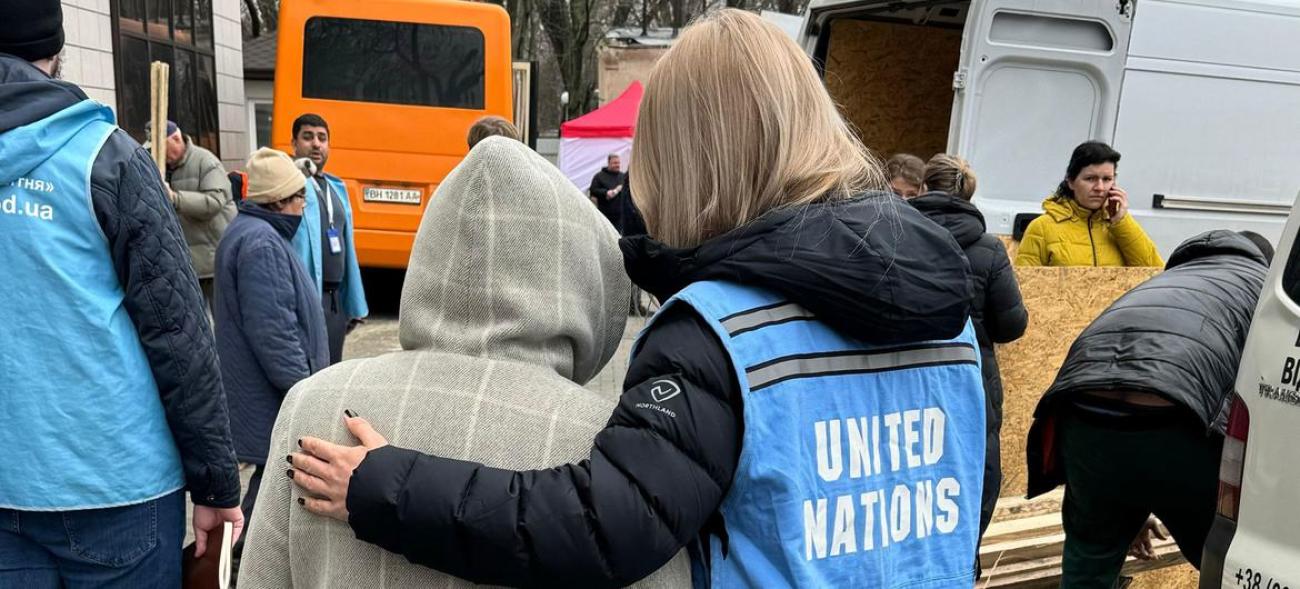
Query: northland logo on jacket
x=861, y=466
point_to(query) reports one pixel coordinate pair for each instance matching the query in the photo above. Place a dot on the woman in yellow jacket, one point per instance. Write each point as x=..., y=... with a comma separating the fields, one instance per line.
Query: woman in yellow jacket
x=1086, y=222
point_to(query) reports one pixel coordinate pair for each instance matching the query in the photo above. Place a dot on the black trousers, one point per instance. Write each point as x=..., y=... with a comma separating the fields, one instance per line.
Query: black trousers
x=1117, y=476
x=336, y=321
x=250, y=497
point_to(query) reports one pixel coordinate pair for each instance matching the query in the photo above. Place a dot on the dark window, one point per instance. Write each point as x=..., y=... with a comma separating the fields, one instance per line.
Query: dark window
x=133, y=86
x=262, y=122
x=393, y=63
x=160, y=12
x=183, y=21
x=203, y=24
x=130, y=16
x=178, y=32
x=1291, y=275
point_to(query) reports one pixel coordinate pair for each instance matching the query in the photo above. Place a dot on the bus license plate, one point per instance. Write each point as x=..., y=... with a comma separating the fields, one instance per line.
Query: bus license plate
x=395, y=195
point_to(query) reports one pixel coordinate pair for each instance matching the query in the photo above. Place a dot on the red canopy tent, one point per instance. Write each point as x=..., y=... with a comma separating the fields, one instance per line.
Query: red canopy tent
x=586, y=142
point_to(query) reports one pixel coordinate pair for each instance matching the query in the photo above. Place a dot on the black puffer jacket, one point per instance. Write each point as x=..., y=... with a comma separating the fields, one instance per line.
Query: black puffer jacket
x=162, y=294
x=996, y=306
x=653, y=483
x=996, y=309
x=1178, y=335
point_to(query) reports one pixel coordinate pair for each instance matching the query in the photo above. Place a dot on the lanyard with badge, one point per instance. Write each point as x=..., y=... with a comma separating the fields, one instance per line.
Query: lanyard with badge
x=336, y=243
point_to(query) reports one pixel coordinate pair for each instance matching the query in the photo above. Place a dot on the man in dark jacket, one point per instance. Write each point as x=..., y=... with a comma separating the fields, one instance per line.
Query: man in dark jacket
x=662, y=466
x=609, y=189
x=996, y=309
x=113, y=402
x=270, y=326
x=1134, y=423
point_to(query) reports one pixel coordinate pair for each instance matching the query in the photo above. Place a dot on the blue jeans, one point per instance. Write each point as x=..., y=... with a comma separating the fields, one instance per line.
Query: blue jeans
x=118, y=547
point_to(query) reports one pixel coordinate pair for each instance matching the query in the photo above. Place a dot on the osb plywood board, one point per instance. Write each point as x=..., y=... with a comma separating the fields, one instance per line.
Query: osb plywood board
x=1061, y=303
x=1182, y=576
x=893, y=82
x=1013, y=246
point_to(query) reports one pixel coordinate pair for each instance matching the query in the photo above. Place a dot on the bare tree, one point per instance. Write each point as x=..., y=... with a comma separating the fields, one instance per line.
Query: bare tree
x=573, y=28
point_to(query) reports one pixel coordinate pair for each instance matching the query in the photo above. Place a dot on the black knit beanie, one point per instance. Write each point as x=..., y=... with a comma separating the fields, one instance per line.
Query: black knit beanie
x=31, y=29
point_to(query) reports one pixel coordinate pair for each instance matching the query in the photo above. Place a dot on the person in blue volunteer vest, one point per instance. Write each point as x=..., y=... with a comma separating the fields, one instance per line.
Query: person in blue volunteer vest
x=324, y=239
x=806, y=409
x=112, y=399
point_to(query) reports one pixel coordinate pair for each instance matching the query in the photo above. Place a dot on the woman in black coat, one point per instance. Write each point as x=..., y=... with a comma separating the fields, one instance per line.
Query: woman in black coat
x=795, y=295
x=996, y=307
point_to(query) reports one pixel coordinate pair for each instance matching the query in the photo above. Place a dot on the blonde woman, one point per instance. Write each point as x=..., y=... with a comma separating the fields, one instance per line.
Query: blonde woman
x=804, y=411
x=997, y=309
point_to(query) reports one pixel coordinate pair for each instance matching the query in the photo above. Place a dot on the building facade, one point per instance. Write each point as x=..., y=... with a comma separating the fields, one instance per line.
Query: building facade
x=110, y=44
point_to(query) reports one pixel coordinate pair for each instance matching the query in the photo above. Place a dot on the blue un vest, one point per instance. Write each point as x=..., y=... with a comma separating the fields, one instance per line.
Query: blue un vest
x=861, y=466
x=82, y=421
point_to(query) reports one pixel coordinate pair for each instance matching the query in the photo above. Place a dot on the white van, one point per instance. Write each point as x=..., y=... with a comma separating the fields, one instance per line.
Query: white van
x=1255, y=540
x=1202, y=98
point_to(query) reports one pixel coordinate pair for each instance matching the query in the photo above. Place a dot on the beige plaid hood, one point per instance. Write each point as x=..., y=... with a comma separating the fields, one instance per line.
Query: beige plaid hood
x=515, y=293
x=512, y=262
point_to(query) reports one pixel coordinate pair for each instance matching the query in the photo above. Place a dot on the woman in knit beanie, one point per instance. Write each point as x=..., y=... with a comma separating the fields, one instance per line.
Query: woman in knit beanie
x=269, y=324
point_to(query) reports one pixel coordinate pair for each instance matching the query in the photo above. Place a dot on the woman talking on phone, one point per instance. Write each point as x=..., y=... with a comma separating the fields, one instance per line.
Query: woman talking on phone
x=1087, y=221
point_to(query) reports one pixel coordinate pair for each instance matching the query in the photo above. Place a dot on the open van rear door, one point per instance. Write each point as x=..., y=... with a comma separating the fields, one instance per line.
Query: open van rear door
x=1036, y=79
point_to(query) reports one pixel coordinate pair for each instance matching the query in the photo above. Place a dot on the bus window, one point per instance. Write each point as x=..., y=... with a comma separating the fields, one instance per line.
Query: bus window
x=393, y=63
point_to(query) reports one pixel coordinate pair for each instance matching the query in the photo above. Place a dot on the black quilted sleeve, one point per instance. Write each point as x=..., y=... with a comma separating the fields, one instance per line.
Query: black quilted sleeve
x=656, y=475
x=163, y=299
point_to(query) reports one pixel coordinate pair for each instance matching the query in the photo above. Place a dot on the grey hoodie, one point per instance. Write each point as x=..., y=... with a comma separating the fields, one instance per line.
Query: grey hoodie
x=515, y=297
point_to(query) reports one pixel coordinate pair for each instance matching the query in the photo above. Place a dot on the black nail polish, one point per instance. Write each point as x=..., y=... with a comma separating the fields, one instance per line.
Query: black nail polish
x=299, y=442
x=289, y=472
x=302, y=501
x=349, y=413
x=289, y=459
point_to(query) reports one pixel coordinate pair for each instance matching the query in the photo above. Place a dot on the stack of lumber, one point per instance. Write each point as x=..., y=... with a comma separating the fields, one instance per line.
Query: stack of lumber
x=1022, y=548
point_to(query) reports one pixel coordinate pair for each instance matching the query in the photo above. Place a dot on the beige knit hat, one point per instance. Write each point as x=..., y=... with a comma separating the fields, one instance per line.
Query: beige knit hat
x=272, y=177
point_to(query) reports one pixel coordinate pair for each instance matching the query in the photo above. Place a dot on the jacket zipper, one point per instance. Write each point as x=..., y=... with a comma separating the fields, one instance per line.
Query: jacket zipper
x=1091, y=241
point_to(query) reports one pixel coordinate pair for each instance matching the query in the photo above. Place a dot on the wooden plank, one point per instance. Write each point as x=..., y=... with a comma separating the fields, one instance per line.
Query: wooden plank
x=1039, y=565
x=159, y=83
x=1018, y=507
x=1029, y=527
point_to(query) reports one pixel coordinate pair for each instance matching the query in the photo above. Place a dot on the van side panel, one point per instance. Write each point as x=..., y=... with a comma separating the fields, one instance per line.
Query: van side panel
x=1264, y=551
x=1210, y=110
x=1037, y=79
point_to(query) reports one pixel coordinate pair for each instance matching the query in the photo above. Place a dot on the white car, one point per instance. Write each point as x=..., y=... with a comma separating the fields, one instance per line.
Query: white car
x=1255, y=540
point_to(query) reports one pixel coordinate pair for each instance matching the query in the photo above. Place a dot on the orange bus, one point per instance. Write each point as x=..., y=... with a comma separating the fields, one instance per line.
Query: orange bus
x=400, y=82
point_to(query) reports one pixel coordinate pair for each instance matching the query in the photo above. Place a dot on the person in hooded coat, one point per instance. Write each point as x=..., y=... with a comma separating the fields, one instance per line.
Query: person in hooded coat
x=492, y=366
x=997, y=309
x=807, y=322
x=1134, y=422
x=269, y=323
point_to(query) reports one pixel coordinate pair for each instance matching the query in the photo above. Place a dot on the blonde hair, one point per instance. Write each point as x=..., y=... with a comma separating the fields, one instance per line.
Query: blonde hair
x=489, y=126
x=735, y=123
x=950, y=174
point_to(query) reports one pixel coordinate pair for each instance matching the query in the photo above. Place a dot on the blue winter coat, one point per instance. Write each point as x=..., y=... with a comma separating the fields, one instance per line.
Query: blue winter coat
x=269, y=323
